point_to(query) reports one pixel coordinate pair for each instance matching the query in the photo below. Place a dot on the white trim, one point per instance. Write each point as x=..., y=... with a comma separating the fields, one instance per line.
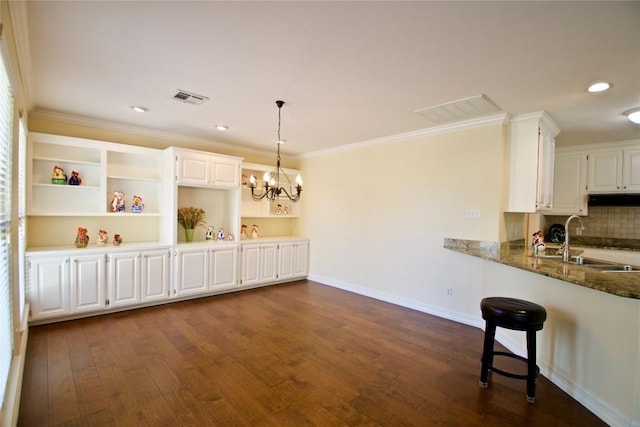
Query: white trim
x=9, y=413
x=604, y=146
x=20, y=24
x=177, y=139
x=501, y=118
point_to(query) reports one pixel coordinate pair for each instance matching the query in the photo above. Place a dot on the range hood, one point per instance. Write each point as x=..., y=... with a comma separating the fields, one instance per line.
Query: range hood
x=614, y=200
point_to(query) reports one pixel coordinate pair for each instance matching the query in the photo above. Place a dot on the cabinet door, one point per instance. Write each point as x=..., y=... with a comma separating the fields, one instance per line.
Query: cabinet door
x=605, y=172
x=193, y=169
x=269, y=262
x=250, y=265
x=301, y=257
x=154, y=278
x=546, y=155
x=87, y=283
x=223, y=268
x=224, y=172
x=191, y=272
x=48, y=291
x=286, y=261
x=124, y=279
x=631, y=171
x=570, y=180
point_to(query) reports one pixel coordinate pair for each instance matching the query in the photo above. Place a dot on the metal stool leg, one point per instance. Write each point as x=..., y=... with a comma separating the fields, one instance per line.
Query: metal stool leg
x=532, y=370
x=487, y=352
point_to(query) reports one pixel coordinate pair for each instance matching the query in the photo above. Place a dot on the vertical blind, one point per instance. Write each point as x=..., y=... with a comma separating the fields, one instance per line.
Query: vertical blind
x=6, y=324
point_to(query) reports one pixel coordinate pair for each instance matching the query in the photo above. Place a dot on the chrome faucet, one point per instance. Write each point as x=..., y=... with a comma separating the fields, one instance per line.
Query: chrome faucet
x=566, y=253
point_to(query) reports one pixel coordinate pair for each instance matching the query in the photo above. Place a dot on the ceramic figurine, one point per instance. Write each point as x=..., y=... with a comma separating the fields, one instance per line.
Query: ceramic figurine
x=209, y=234
x=82, y=238
x=102, y=238
x=243, y=231
x=117, y=201
x=230, y=237
x=58, y=176
x=254, y=231
x=75, y=179
x=279, y=209
x=538, y=242
x=285, y=210
x=117, y=240
x=137, y=205
x=220, y=235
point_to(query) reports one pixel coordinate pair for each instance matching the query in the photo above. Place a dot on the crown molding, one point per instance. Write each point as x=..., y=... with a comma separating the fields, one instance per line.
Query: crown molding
x=497, y=119
x=174, y=138
x=20, y=26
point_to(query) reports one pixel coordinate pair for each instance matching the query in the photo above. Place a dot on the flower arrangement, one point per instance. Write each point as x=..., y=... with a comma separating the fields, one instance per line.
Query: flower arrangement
x=191, y=217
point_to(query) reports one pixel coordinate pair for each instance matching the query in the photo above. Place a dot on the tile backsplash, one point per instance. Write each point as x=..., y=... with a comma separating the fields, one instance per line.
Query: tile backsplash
x=617, y=222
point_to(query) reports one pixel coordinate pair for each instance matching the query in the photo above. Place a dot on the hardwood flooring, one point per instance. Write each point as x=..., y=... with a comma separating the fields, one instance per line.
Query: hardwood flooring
x=298, y=354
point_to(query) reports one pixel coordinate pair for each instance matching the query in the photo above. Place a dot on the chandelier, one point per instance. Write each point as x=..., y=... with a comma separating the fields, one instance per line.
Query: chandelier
x=277, y=183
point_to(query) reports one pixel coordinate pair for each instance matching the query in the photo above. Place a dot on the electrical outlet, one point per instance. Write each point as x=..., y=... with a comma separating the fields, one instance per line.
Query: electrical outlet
x=472, y=213
x=449, y=292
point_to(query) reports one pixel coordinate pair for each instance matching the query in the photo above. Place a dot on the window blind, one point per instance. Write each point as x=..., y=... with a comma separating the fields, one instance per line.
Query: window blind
x=6, y=324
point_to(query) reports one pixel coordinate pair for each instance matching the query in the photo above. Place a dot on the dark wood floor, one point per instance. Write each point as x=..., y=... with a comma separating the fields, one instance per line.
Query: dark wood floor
x=288, y=355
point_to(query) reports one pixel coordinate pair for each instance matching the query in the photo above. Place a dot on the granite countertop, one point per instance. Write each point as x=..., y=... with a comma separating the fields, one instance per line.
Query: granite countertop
x=517, y=255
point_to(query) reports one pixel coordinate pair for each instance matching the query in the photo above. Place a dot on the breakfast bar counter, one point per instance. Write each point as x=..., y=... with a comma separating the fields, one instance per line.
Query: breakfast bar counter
x=623, y=284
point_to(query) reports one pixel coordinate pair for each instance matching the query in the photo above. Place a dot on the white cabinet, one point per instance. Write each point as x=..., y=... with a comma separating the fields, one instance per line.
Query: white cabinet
x=276, y=261
x=570, y=184
x=201, y=269
x=155, y=281
x=530, y=163
x=206, y=170
x=48, y=287
x=87, y=283
x=614, y=171
x=124, y=278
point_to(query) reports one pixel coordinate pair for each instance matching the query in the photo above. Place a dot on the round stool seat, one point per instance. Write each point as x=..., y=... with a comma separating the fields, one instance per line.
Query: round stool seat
x=512, y=313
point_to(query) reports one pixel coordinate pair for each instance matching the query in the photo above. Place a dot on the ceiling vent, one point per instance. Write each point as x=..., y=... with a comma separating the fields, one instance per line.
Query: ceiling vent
x=189, y=98
x=462, y=109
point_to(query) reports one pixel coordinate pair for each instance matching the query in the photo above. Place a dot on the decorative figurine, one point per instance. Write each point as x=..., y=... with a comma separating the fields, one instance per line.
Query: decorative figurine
x=209, y=234
x=538, y=242
x=243, y=231
x=137, y=205
x=254, y=231
x=102, y=238
x=117, y=201
x=279, y=209
x=244, y=179
x=285, y=210
x=75, y=179
x=220, y=235
x=82, y=238
x=58, y=176
x=117, y=240
x=230, y=237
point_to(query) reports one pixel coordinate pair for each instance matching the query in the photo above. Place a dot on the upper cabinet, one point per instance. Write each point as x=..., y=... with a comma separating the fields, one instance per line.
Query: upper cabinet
x=203, y=169
x=531, y=162
x=614, y=171
x=570, y=184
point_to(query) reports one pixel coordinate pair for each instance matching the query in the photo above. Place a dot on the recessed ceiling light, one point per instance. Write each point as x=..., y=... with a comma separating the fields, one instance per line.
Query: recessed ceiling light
x=139, y=109
x=598, y=87
x=222, y=128
x=633, y=115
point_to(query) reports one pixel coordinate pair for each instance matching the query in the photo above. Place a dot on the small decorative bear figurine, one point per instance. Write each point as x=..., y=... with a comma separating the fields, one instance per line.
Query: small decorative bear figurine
x=102, y=238
x=230, y=237
x=137, y=205
x=117, y=239
x=58, y=176
x=117, y=201
x=82, y=238
x=209, y=234
x=243, y=231
x=220, y=235
x=75, y=179
x=279, y=209
x=254, y=231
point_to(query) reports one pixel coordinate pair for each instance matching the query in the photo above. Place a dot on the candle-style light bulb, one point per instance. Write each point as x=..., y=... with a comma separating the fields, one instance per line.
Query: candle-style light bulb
x=299, y=180
x=265, y=178
x=252, y=180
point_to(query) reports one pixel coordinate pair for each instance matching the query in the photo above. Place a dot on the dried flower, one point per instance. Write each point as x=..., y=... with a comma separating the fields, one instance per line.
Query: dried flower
x=191, y=217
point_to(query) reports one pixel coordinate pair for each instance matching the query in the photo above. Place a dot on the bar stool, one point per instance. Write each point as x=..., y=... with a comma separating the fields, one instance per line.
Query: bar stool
x=516, y=314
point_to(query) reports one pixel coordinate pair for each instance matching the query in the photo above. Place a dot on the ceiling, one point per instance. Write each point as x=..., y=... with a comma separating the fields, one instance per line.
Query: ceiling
x=348, y=72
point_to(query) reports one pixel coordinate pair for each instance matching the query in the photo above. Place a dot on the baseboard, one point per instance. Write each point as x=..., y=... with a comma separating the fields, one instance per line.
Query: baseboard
x=9, y=413
x=601, y=409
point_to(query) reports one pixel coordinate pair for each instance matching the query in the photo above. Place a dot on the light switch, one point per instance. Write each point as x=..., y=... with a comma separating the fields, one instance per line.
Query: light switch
x=472, y=213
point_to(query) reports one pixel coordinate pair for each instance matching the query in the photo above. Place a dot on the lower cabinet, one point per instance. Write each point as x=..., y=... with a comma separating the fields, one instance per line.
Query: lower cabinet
x=264, y=263
x=138, y=277
x=202, y=269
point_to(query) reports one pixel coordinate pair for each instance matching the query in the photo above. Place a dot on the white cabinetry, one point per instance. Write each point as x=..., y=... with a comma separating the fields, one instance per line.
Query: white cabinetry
x=274, y=261
x=87, y=283
x=155, y=280
x=205, y=170
x=570, y=184
x=201, y=269
x=48, y=287
x=531, y=156
x=614, y=171
x=124, y=278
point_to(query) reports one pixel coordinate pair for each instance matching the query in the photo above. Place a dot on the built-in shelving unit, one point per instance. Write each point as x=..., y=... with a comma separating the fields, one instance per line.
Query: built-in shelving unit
x=250, y=208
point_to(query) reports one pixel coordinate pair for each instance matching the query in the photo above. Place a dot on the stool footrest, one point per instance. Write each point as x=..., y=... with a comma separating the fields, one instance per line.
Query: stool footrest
x=509, y=374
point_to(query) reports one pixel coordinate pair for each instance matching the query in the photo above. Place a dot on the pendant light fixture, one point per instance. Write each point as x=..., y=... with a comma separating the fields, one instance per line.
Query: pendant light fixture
x=277, y=183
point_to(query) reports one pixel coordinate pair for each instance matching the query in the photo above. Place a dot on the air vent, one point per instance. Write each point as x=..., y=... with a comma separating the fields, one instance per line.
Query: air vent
x=189, y=98
x=462, y=109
